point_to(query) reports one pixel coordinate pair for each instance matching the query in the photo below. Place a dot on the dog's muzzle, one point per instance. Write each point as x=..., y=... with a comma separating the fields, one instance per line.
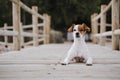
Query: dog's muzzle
x=77, y=35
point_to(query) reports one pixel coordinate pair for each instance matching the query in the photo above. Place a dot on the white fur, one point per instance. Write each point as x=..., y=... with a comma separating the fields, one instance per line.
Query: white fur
x=78, y=48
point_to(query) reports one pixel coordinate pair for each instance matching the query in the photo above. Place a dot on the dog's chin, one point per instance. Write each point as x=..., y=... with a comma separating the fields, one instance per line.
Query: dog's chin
x=77, y=36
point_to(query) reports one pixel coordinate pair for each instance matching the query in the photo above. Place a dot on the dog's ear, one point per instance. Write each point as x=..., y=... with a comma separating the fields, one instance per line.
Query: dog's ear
x=86, y=28
x=71, y=28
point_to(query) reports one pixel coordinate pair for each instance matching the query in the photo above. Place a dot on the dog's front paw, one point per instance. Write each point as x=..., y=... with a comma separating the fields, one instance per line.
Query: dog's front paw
x=63, y=63
x=89, y=62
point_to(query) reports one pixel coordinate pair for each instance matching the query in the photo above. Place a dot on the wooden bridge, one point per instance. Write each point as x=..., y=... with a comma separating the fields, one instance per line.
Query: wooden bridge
x=39, y=32
x=42, y=62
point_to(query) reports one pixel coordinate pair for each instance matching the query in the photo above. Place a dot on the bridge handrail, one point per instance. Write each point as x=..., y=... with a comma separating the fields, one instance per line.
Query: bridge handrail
x=23, y=6
x=40, y=31
x=115, y=24
x=104, y=11
x=108, y=33
x=24, y=26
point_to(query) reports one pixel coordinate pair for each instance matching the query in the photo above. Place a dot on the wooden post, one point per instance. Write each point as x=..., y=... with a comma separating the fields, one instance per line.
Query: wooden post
x=46, y=28
x=115, y=23
x=119, y=22
x=16, y=24
x=35, y=26
x=22, y=37
x=5, y=37
x=102, y=25
x=94, y=25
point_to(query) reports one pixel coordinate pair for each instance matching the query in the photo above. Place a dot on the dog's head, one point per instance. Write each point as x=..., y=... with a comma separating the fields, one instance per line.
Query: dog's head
x=79, y=30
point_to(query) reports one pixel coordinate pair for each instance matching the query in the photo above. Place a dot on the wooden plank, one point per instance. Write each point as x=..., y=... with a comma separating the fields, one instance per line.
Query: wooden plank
x=23, y=6
x=31, y=26
x=46, y=28
x=43, y=63
x=40, y=25
x=35, y=27
x=22, y=37
x=16, y=24
x=3, y=43
x=102, y=25
x=107, y=25
x=27, y=26
x=8, y=27
x=8, y=33
x=94, y=25
x=117, y=32
x=40, y=40
x=5, y=37
x=28, y=43
x=115, y=24
x=28, y=34
x=104, y=11
x=108, y=33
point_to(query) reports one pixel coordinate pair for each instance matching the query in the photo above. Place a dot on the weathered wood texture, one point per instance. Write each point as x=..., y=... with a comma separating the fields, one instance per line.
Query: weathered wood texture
x=46, y=27
x=18, y=32
x=115, y=23
x=104, y=11
x=102, y=25
x=94, y=25
x=23, y=6
x=16, y=25
x=43, y=63
x=35, y=27
x=5, y=37
x=115, y=33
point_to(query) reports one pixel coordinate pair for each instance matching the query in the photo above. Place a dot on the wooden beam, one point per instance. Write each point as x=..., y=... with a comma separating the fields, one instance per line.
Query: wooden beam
x=16, y=24
x=102, y=25
x=5, y=37
x=8, y=33
x=22, y=37
x=46, y=28
x=117, y=32
x=108, y=33
x=94, y=25
x=35, y=26
x=29, y=10
x=31, y=26
x=115, y=23
x=104, y=11
x=28, y=34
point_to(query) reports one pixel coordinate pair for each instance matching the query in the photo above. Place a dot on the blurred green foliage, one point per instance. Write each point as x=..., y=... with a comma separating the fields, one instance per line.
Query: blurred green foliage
x=63, y=12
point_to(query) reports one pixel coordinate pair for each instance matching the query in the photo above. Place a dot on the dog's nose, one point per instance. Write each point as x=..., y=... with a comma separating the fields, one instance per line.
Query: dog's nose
x=77, y=34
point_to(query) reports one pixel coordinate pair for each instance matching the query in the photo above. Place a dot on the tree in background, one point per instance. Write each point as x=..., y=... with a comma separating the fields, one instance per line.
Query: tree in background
x=63, y=12
x=5, y=12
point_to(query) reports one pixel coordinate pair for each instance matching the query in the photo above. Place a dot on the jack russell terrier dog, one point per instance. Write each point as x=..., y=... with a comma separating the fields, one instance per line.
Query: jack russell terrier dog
x=79, y=50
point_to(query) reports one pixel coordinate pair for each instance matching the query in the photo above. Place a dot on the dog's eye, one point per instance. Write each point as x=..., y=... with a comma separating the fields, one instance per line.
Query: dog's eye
x=81, y=30
x=74, y=30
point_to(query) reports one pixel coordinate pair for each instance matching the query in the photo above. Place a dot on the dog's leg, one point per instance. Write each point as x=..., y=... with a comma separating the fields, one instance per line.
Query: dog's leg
x=67, y=60
x=89, y=61
x=88, y=58
x=71, y=54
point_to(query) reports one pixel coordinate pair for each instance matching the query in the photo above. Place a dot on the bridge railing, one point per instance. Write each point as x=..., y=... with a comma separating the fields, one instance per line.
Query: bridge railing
x=100, y=38
x=40, y=32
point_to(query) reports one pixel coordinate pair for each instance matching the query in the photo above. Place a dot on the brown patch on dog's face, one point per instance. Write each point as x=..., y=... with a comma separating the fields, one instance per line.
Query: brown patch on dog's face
x=83, y=28
x=86, y=28
x=71, y=28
